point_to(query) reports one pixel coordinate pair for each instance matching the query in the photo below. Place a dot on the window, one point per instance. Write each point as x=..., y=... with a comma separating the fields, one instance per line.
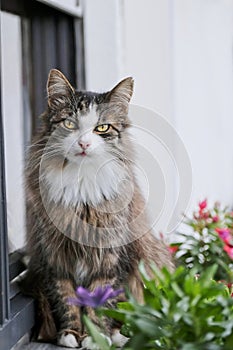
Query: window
x=41, y=37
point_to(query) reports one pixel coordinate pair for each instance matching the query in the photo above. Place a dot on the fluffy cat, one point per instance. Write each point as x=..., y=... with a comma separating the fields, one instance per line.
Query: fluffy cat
x=87, y=220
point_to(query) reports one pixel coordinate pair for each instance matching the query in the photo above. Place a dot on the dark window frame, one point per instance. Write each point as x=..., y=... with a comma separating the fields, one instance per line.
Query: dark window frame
x=17, y=311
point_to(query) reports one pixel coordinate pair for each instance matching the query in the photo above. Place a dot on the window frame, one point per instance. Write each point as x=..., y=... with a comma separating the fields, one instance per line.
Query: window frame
x=17, y=312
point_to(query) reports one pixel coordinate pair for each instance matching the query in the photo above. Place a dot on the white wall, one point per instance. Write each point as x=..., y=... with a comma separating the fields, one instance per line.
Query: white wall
x=13, y=127
x=203, y=92
x=147, y=52
x=180, y=54
x=103, y=43
x=147, y=45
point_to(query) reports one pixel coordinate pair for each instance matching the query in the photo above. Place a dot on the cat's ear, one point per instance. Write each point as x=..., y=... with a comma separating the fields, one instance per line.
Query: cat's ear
x=58, y=87
x=122, y=92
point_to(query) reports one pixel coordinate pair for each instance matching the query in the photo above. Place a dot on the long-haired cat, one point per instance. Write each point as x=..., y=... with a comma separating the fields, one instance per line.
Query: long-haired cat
x=87, y=220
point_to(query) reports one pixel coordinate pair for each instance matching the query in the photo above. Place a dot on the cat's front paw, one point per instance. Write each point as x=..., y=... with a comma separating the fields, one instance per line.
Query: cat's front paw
x=68, y=340
x=89, y=344
x=118, y=339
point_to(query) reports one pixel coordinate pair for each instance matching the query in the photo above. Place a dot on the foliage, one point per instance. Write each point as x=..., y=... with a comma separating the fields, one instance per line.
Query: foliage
x=180, y=311
x=207, y=240
x=190, y=308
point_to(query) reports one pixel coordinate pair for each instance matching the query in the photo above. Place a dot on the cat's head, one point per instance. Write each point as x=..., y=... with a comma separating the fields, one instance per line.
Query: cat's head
x=87, y=122
x=89, y=132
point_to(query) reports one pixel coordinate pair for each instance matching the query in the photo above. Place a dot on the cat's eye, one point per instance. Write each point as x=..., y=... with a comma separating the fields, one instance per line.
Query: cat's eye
x=102, y=128
x=68, y=124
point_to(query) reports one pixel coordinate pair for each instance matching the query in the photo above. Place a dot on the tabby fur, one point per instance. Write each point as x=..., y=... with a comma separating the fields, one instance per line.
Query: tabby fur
x=90, y=238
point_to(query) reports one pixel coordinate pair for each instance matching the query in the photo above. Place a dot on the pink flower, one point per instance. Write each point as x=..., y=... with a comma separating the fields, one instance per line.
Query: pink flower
x=224, y=234
x=215, y=218
x=203, y=215
x=228, y=250
x=173, y=249
x=203, y=204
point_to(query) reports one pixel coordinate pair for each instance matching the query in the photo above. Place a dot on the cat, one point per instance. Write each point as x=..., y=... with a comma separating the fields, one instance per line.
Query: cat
x=87, y=224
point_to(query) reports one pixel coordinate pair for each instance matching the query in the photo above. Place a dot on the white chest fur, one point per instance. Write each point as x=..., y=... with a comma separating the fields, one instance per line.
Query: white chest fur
x=89, y=182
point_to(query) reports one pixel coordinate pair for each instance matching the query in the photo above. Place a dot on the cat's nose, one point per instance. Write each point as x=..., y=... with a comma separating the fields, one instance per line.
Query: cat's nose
x=84, y=145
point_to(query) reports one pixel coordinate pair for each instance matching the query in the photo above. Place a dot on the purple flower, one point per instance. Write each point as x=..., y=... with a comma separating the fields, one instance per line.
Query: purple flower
x=96, y=298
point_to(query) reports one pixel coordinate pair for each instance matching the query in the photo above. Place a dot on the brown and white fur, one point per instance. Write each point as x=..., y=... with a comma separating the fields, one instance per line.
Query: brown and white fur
x=87, y=220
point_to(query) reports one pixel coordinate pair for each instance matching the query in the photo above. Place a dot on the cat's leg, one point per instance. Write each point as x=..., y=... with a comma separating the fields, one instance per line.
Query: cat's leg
x=118, y=339
x=110, y=333
x=106, y=325
x=67, y=316
x=88, y=343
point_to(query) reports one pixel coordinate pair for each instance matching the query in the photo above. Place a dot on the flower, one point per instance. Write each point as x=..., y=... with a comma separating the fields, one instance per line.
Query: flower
x=202, y=205
x=203, y=215
x=224, y=234
x=228, y=250
x=96, y=298
x=215, y=218
x=173, y=249
x=208, y=231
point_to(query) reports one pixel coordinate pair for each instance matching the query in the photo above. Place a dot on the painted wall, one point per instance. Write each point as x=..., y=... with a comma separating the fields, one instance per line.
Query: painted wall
x=202, y=92
x=147, y=52
x=103, y=33
x=13, y=127
x=180, y=54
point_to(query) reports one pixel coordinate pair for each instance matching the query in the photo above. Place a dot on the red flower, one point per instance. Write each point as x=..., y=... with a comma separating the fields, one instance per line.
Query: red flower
x=173, y=249
x=228, y=250
x=203, y=204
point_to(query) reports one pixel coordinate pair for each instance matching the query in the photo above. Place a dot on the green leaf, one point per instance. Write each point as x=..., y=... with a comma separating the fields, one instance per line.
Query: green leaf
x=137, y=342
x=157, y=272
x=207, y=276
x=147, y=310
x=189, y=284
x=148, y=327
x=125, y=305
x=126, y=330
x=151, y=299
x=229, y=342
x=95, y=334
x=143, y=271
x=119, y=315
x=177, y=289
